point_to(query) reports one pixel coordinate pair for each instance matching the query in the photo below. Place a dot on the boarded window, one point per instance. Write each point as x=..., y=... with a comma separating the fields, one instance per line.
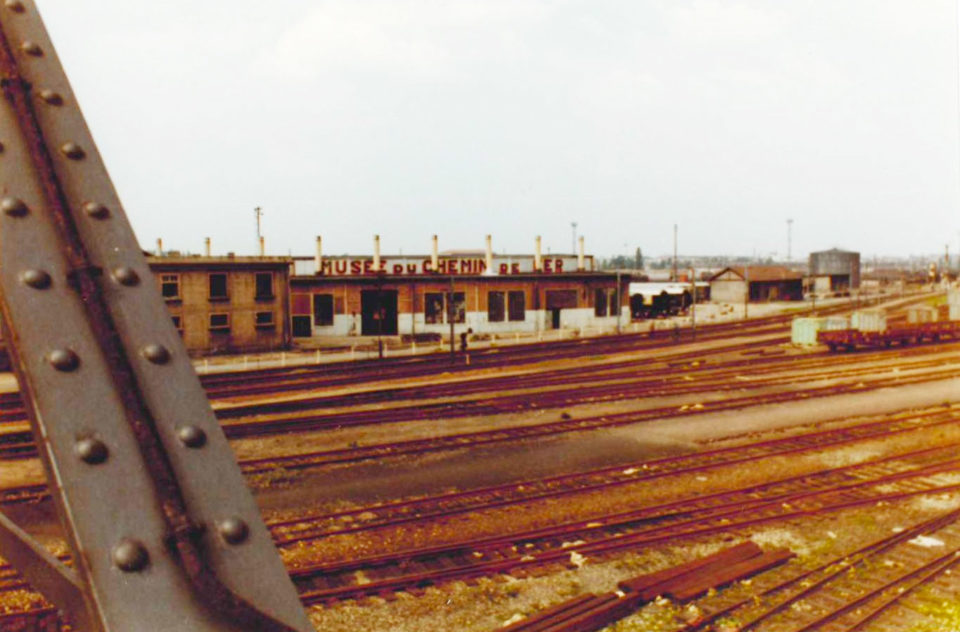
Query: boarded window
x=300, y=304
x=220, y=322
x=301, y=327
x=600, y=302
x=264, y=320
x=170, y=285
x=264, y=285
x=433, y=308
x=517, y=306
x=323, y=310
x=496, y=310
x=218, y=286
x=561, y=299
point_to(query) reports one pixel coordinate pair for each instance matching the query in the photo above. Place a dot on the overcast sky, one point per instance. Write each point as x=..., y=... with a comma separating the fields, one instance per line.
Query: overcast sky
x=406, y=118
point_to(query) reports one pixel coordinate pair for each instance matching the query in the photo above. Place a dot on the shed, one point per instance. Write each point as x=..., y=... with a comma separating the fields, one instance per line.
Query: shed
x=766, y=283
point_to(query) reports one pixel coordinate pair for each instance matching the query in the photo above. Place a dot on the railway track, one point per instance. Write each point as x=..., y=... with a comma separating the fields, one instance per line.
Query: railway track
x=727, y=511
x=848, y=592
x=20, y=444
x=366, y=518
x=709, y=374
x=308, y=377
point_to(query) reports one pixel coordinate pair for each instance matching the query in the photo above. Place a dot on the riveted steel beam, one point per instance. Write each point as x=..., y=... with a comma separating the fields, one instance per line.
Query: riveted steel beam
x=164, y=533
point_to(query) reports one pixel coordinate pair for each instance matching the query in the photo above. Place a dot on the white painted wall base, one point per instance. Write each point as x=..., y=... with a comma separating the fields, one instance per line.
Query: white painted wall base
x=580, y=320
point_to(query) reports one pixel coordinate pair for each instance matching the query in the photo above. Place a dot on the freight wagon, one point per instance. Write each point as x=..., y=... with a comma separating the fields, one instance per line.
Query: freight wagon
x=848, y=339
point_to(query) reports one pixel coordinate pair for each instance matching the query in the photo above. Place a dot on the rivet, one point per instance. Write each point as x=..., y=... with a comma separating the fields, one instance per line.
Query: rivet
x=51, y=97
x=233, y=530
x=130, y=556
x=14, y=5
x=155, y=353
x=14, y=207
x=63, y=360
x=191, y=436
x=31, y=48
x=96, y=210
x=91, y=450
x=72, y=151
x=37, y=279
x=126, y=276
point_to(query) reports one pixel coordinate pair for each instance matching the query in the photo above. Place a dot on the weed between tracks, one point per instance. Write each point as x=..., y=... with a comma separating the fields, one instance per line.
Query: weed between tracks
x=489, y=604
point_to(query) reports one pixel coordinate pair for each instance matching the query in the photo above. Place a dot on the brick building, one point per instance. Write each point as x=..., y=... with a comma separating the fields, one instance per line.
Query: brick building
x=480, y=291
x=227, y=304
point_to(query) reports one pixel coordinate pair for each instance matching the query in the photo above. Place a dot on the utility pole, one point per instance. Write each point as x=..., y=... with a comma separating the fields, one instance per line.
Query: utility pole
x=619, y=300
x=746, y=294
x=789, y=239
x=450, y=317
x=258, y=212
x=693, y=305
x=673, y=275
x=573, y=248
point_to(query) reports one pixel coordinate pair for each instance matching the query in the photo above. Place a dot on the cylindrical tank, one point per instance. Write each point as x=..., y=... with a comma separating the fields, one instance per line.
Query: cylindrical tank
x=834, y=261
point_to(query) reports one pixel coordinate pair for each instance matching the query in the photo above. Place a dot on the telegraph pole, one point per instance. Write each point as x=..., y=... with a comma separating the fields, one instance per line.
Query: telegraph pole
x=573, y=248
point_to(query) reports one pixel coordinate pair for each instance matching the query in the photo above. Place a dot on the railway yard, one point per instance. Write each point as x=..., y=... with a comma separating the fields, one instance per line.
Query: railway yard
x=418, y=494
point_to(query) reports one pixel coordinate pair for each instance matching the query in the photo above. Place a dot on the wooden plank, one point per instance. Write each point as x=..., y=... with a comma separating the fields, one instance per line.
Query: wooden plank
x=646, y=583
x=527, y=624
x=693, y=586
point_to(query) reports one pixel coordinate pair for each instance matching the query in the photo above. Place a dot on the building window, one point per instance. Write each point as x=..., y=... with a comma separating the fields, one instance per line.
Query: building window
x=264, y=320
x=218, y=286
x=301, y=327
x=323, y=310
x=459, y=307
x=433, y=308
x=614, y=302
x=496, y=312
x=170, y=286
x=517, y=306
x=177, y=323
x=220, y=322
x=264, y=285
x=600, y=302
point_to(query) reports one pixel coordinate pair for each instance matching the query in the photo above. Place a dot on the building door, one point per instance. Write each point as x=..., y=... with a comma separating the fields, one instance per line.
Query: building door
x=555, y=319
x=302, y=327
x=557, y=300
x=378, y=312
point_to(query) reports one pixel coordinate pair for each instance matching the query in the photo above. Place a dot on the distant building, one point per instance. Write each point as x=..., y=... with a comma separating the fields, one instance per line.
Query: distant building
x=764, y=283
x=413, y=296
x=834, y=271
x=226, y=304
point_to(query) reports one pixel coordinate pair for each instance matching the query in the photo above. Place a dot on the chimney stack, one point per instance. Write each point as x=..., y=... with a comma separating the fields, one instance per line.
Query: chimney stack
x=206, y=246
x=376, y=253
x=489, y=254
x=318, y=258
x=581, y=258
x=435, y=256
x=263, y=247
x=537, y=258
x=159, y=247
